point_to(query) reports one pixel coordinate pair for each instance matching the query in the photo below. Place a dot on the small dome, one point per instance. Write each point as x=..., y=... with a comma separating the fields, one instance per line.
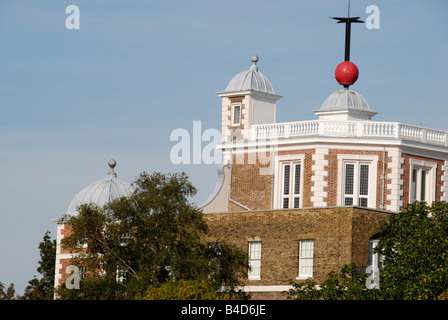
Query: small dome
x=101, y=192
x=345, y=99
x=251, y=79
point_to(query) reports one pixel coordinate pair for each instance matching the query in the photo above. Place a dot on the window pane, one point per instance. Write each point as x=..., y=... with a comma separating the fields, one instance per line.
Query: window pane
x=363, y=202
x=423, y=186
x=364, y=180
x=306, y=258
x=296, y=202
x=255, y=258
x=285, y=203
x=349, y=178
x=297, y=179
x=348, y=202
x=286, y=177
x=414, y=185
x=236, y=114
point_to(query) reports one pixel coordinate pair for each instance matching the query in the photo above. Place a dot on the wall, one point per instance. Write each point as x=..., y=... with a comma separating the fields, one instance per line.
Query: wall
x=341, y=235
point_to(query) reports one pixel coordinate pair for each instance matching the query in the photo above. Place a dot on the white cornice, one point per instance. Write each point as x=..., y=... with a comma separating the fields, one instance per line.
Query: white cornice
x=223, y=94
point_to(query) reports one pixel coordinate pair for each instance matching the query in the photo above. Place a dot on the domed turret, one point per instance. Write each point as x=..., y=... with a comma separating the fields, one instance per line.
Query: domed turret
x=345, y=99
x=345, y=105
x=251, y=79
x=101, y=192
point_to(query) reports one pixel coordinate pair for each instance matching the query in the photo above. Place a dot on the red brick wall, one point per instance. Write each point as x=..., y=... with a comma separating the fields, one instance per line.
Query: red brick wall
x=253, y=190
x=248, y=187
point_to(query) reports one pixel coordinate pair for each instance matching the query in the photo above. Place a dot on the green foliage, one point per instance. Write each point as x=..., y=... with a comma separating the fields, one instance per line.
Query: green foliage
x=43, y=289
x=348, y=284
x=415, y=248
x=155, y=236
x=185, y=290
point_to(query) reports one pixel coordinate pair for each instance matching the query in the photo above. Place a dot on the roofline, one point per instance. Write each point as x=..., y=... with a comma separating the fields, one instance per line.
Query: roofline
x=274, y=96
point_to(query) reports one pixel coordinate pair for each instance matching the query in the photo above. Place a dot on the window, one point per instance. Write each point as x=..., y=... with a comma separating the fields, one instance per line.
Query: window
x=306, y=253
x=291, y=185
x=236, y=114
x=122, y=276
x=357, y=180
x=215, y=248
x=422, y=181
x=356, y=183
x=82, y=272
x=83, y=242
x=124, y=238
x=254, y=260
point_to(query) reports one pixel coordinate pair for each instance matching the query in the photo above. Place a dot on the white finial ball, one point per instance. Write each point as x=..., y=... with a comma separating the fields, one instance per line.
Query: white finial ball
x=112, y=163
x=254, y=58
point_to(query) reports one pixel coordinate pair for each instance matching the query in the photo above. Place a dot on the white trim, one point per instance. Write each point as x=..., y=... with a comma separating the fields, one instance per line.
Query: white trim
x=278, y=288
x=396, y=181
x=302, y=276
x=254, y=93
x=445, y=182
x=256, y=276
x=278, y=177
x=373, y=176
x=232, y=114
x=352, y=142
x=318, y=176
x=430, y=185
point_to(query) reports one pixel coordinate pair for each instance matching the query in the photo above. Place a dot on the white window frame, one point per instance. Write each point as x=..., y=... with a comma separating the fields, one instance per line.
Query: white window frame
x=254, y=272
x=358, y=160
x=306, y=259
x=233, y=107
x=279, y=184
x=122, y=275
x=124, y=240
x=430, y=181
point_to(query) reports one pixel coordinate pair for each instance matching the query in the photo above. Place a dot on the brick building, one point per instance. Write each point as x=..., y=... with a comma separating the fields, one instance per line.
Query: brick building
x=100, y=193
x=303, y=198
x=306, y=197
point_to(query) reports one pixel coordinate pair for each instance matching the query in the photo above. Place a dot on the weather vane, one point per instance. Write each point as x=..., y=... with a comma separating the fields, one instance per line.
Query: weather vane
x=346, y=72
x=348, y=21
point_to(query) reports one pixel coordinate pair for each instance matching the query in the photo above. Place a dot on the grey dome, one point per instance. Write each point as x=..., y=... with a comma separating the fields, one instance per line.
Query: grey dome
x=251, y=79
x=343, y=100
x=101, y=192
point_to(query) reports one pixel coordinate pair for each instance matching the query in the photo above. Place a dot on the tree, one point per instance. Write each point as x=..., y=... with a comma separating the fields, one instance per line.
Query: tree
x=414, y=249
x=8, y=294
x=145, y=240
x=43, y=289
x=348, y=284
x=185, y=290
x=414, y=245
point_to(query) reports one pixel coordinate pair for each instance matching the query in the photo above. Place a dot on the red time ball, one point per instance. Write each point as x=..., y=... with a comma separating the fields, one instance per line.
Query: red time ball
x=346, y=73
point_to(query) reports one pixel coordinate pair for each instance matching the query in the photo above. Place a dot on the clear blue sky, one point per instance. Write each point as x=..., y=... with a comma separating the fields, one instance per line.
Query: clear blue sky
x=136, y=70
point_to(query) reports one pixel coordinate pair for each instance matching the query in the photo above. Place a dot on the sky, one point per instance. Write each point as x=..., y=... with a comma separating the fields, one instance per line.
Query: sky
x=136, y=70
